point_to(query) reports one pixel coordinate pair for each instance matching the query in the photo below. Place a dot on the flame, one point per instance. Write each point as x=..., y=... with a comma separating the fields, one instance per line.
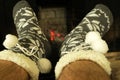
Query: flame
x=54, y=34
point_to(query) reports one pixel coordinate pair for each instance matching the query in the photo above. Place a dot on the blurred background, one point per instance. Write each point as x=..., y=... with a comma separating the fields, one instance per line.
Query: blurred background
x=57, y=18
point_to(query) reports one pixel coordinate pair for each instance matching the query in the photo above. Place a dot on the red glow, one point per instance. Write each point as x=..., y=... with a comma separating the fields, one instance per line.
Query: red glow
x=58, y=34
x=52, y=35
x=55, y=35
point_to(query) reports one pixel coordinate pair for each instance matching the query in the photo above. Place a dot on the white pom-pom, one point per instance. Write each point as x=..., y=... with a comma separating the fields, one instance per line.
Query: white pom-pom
x=44, y=65
x=92, y=36
x=10, y=41
x=100, y=46
x=97, y=44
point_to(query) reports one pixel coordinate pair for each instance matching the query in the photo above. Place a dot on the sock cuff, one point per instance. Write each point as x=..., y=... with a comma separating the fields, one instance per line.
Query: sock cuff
x=91, y=55
x=23, y=61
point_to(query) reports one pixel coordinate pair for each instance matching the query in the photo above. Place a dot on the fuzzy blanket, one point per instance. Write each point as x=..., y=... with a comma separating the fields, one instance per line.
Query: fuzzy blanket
x=114, y=58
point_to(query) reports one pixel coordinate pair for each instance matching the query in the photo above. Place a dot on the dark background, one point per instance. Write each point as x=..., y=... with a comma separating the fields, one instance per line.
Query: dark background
x=76, y=10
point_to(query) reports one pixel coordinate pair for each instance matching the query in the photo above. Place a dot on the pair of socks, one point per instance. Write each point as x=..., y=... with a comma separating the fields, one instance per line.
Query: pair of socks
x=33, y=43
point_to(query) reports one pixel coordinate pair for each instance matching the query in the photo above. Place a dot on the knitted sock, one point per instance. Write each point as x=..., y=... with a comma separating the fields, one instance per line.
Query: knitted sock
x=84, y=42
x=98, y=19
x=32, y=41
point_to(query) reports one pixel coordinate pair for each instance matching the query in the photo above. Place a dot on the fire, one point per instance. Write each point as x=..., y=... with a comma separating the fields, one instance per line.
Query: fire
x=56, y=35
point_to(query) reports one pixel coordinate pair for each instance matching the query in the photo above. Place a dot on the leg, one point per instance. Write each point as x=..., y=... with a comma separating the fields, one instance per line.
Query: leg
x=32, y=41
x=83, y=43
